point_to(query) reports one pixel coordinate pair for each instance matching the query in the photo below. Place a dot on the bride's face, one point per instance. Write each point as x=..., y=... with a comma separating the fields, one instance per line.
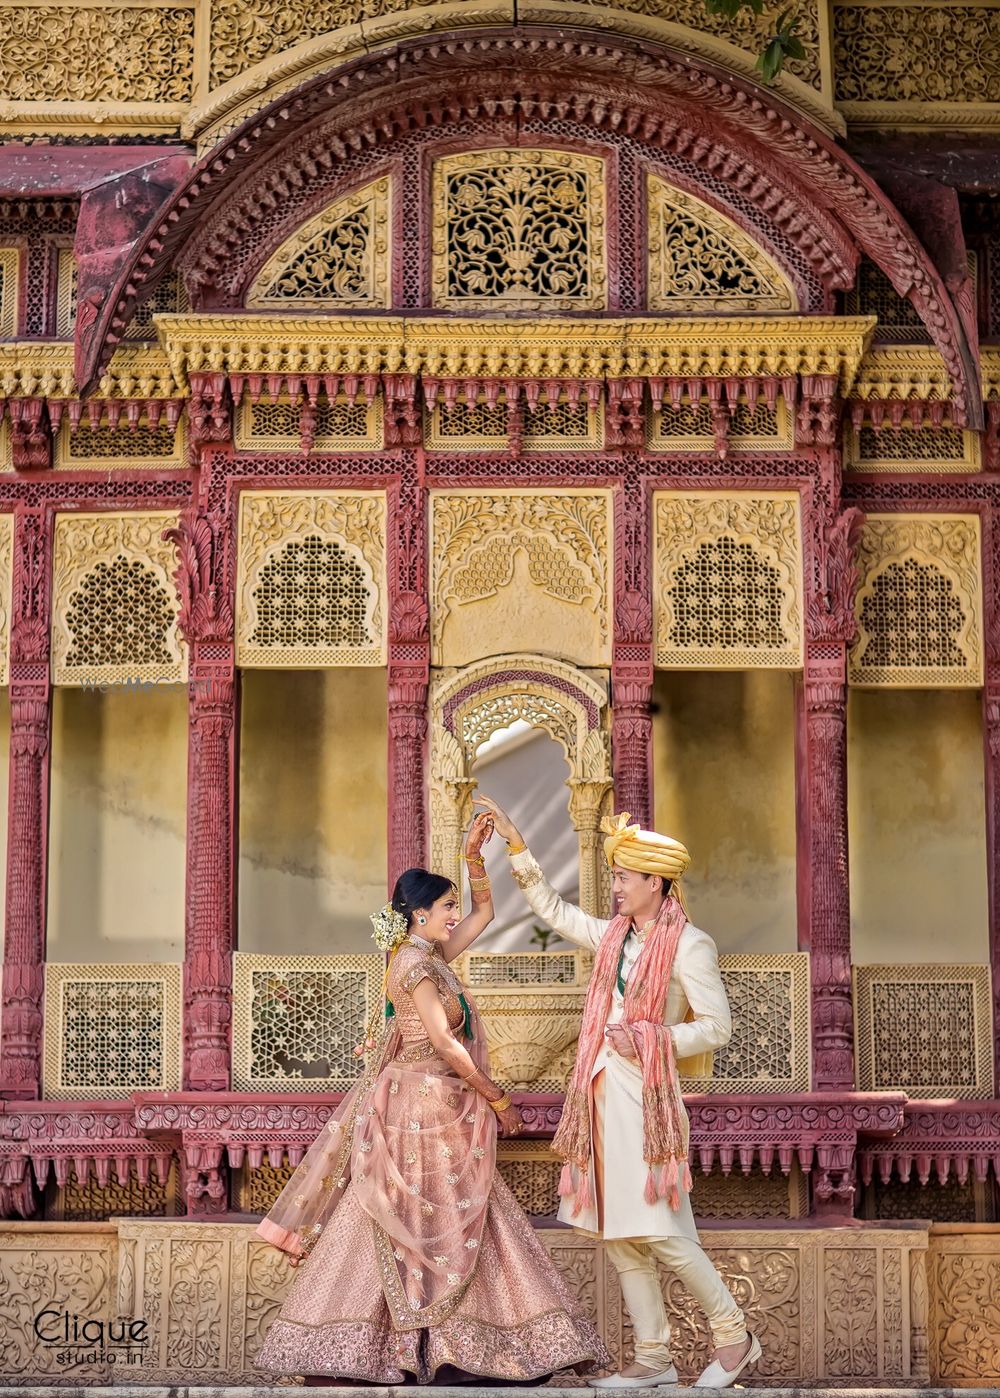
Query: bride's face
x=442, y=918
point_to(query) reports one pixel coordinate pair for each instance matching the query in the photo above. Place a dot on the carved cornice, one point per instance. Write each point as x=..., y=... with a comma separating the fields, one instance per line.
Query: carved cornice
x=32, y=369
x=551, y=348
x=714, y=119
x=904, y=371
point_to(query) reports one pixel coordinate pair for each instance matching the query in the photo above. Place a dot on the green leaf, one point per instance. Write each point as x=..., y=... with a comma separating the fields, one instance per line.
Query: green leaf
x=770, y=61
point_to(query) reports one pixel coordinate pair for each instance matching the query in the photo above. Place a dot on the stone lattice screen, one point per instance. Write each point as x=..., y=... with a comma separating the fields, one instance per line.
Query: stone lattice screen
x=114, y=604
x=944, y=450
x=926, y=1030
x=111, y=1030
x=728, y=580
x=700, y=261
x=341, y=425
x=339, y=259
x=519, y=229
x=296, y=1019
x=919, y=602
x=311, y=579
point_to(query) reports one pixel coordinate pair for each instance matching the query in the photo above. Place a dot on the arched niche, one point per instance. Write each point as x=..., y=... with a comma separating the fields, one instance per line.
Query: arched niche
x=469, y=705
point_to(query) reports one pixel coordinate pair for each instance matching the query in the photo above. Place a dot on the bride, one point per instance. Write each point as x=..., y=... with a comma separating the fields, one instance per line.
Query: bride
x=421, y=1263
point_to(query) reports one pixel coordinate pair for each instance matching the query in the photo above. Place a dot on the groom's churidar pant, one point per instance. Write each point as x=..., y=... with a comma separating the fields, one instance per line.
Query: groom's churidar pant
x=636, y=1259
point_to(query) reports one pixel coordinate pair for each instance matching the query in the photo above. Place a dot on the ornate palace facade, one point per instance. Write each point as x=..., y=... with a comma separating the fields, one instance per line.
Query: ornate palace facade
x=375, y=381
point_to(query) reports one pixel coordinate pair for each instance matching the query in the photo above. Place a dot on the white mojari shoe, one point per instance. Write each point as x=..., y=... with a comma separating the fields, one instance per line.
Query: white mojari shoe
x=667, y=1379
x=715, y=1376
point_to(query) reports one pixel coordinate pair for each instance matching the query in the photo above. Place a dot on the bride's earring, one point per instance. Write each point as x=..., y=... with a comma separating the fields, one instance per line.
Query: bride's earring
x=421, y=919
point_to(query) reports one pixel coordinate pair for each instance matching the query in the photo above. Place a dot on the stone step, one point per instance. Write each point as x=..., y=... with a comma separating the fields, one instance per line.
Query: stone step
x=458, y=1391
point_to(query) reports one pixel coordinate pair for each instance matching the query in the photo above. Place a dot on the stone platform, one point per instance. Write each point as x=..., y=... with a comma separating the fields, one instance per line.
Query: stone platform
x=463, y=1391
x=898, y=1307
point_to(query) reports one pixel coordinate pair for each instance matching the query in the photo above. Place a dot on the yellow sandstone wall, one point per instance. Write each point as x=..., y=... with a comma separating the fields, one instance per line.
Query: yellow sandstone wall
x=313, y=802
x=117, y=824
x=917, y=830
x=724, y=782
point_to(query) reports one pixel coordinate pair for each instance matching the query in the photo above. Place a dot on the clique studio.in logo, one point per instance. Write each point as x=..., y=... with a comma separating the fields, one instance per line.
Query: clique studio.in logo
x=85, y=1340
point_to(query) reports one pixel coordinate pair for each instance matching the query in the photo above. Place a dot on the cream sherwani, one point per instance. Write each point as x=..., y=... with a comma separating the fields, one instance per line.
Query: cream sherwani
x=695, y=984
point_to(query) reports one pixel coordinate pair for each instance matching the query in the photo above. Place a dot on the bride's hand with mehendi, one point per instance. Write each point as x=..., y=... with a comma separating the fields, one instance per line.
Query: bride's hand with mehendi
x=509, y=1122
x=502, y=822
x=479, y=834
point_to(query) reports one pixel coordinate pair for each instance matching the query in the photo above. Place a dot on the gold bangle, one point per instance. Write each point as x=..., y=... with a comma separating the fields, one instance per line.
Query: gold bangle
x=516, y=849
x=501, y=1104
x=480, y=885
x=473, y=858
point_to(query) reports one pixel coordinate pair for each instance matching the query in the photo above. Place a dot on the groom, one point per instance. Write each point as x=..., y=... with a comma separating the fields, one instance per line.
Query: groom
x=656, y=1008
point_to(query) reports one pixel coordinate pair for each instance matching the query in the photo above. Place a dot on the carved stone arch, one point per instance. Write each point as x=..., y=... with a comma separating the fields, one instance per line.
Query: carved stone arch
x=469, y=705
x=719, y=124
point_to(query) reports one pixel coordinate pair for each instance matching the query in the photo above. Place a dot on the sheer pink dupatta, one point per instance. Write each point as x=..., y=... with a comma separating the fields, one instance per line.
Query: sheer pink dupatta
x=418, y=1146
x=308, y=1201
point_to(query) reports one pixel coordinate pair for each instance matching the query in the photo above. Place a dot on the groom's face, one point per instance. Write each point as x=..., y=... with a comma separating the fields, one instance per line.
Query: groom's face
x=633, y=892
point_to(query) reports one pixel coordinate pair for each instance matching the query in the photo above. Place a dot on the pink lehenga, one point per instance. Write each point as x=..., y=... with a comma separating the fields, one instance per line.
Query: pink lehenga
x=421, y=1262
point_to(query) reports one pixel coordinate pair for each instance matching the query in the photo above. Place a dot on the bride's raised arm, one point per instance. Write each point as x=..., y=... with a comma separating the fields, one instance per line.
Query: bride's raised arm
x=480, y=914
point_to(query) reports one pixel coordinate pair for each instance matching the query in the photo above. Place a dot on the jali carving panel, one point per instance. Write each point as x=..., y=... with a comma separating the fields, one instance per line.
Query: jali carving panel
x=9, y=263
x=728, y=572
x=919, y=603
x=338, y=259
x=925, y=1030
x=114, y=605
x=525, y=570
x=771, y=1047
x=296, y=1019
x=311, y=578
x=699, y=260
x=111, y=1030
x=519, y=228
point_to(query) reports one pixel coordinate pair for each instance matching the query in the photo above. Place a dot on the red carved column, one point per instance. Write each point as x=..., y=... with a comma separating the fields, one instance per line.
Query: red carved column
x=27, y=809
x=991, y=741
x=824, y=889
x=632, y=654
x=206, y=621
x=409, y=673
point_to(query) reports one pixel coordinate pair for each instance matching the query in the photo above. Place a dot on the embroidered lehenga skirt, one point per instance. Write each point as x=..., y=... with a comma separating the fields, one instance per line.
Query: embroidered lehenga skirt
x=517, y=1319
x=420, y=1261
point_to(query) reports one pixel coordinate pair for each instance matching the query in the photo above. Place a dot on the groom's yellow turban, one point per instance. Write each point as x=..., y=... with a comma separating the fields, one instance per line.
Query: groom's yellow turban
x=643, y=850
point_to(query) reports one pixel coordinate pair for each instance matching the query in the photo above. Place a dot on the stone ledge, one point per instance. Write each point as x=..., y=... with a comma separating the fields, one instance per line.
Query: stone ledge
x=462, y=1391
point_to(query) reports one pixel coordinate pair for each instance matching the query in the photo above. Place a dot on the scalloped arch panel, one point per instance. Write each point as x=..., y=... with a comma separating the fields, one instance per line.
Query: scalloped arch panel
x=699, y=260
x=337, y=260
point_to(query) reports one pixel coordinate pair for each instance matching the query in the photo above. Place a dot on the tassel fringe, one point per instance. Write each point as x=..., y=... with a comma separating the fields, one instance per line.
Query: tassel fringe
x=566, y=1180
